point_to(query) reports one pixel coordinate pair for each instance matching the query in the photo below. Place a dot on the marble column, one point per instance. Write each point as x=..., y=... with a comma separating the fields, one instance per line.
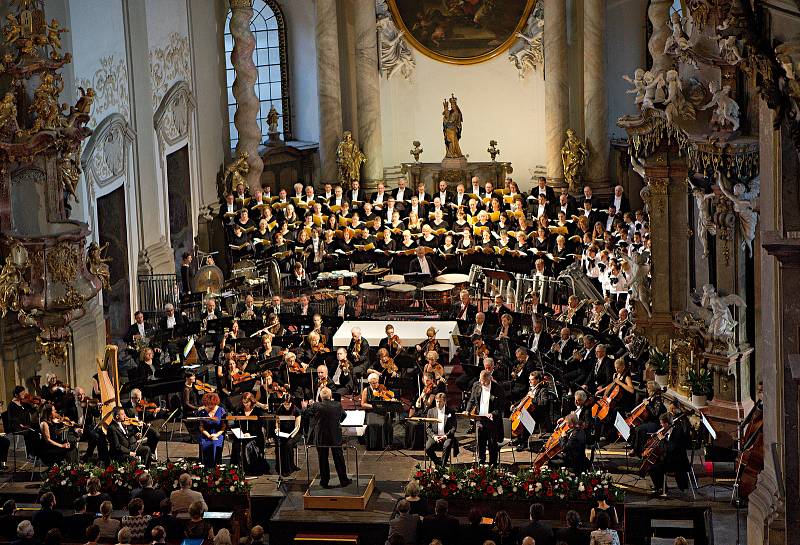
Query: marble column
x=328, y=87
x=556, y=88
x=247, y=104
x=595, y=101
x=658, y=14
x=368, y=92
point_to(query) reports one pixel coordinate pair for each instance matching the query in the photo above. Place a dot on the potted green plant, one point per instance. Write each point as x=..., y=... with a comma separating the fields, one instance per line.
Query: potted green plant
x=659, y=363
x=701, y=384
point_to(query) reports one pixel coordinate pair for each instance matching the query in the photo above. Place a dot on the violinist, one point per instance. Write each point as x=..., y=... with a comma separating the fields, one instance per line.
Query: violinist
x=673, y=441
x=54, y=390
x=313, y=347
x=488, y=400
x=358, y=351
x=145, y=412
x=190, y=395
x=388, y=368
x=125, y=439
x=323, y=381
x=171, y=319
x=519, y=384
x=249, y=451
x=342, y=379
x=651, y=409
x=20, y=410
x=442, y=433
x=429, y=344
x=292, y=364
x=83, y=411
x=390, y=342
x=433, y=367
x=574, y=445
x=56, y=447
x=378, y=432
x=430, y=387
x=287, y=435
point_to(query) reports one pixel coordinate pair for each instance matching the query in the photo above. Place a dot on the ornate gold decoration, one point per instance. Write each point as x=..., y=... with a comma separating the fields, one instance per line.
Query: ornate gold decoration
x=573, y=156
x=349, y=159
x=55, y=351
x=241, y=4
x=70, y=299
x=417, y=151
x=237, y=171
x=62, y=262
x=12, y=281
x=493, y=150
x=658, y=186
x=735, y=160
x=647, y=131
x=96, y=263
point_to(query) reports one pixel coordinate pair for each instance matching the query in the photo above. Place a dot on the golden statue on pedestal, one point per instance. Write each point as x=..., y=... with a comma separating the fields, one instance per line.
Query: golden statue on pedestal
x=237, y=171
x=98, y=265
x=349, y=159
x=573, y=155
x=451, y=127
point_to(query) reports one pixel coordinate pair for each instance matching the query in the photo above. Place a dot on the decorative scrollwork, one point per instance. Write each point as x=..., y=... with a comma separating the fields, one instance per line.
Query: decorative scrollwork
x=62, y=262
x=12, y=280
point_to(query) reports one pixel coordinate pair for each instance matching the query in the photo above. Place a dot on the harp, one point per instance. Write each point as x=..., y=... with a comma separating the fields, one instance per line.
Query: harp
x=108, y=380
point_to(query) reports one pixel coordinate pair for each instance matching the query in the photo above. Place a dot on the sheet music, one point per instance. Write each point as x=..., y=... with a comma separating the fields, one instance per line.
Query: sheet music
x=238, y=434
x=527, y=421
x=707, y=424
x=354, y=418
x=622, y=427
x=283, y=434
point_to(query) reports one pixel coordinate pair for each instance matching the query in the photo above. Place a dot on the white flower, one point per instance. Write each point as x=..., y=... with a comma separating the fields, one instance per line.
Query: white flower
x=499, y=490
x=64, y=482
x=581, y=488
x=233, y=489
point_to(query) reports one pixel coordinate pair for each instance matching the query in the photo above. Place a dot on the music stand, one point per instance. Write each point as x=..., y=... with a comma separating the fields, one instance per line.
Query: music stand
x=475, y=418
x=164, y=427
x=388, y=408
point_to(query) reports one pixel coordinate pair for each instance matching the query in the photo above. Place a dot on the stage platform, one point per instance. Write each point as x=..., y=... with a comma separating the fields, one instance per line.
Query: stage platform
x=353, y=497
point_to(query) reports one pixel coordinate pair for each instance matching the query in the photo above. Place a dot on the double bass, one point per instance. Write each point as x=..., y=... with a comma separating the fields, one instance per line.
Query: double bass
x=751, y=455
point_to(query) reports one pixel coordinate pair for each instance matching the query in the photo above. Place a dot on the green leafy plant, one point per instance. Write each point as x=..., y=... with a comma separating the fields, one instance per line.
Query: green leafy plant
x=701, y=382
x=658, y=362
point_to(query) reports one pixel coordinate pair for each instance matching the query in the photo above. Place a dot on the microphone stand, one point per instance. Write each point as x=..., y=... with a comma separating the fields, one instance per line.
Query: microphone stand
x=164, y=427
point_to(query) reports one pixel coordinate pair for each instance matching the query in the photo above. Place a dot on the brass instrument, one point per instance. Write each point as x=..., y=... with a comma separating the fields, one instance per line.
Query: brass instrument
x=567, y=316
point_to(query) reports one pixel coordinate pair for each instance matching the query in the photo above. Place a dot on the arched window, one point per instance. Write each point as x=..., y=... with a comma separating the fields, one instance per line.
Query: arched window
x=272, y=84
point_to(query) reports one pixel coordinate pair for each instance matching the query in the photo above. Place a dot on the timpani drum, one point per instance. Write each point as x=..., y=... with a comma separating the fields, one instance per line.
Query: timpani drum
x=401, y=296
x=438, y=296
x=243, y=269
x=396, y=278
x=457, y=280
x=349, y=278
x=370, y=295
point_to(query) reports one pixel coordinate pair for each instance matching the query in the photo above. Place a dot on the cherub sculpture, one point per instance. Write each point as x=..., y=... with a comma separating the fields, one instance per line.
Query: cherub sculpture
x=45, y=104
x=744, y=205
x=12, y=285
x=638, y=288
x=638, y=84
x=682, y=29
x=8, y=114
x=726, y=113
x=677, y=107
x=13, y=30
x=720, y=322
x=69, y=172
x=705, y=224
x=97, y=264
x=729, y=49
x=653, y=89
x=84, y=104
x=54, y=32
x=237, y=171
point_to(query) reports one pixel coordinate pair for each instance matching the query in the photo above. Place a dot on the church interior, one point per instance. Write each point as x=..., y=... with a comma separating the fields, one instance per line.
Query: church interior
x=522, y=268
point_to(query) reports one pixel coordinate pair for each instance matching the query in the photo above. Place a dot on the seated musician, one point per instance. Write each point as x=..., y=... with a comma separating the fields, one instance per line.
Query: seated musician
x=189, y=395
x=598, y=318
x=652, y=407
x=211, y=312
x=124, y=439
x=387, y=367
x=488, y=400
x=20, y=410
x=229, y=337
x=323, y=381
x=289, y=430
x=537, y=308
x=481, y=327
x=249, y=452
x=671, y=442
x=212, y=430
x=435, y=368
x=358, y=351
x=574, y=445
x=430, y=387
x=56, y=447
x=303, y=307
x=507, y=330
x=298, y=279
x=497, y=308
x=623, y=402
x=539, y=408
x=139, y=409
x=171, y=318
x=343, y=309
x=523, y=366
x=319, y=329
x=423, y=264
x=148, y=366
x=574, y=314
x=429, y=344
x=379, y=431
x=442, y=433
x=564, y=347
x=465, y=309
x=292, y=364
x=247, y=310
x=342, y=378
x=390, y=342
x=274, y=326
x=475, y=358
x=137, y=332
x=85, y=412
x=313, y=346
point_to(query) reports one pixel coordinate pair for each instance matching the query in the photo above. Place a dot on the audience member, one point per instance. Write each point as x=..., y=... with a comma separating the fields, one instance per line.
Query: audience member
x=405, y=524
x=47, y=517
x=541, y=532
x=184, y=497
x=75, y=525
x=603, y=507
x=124, y=536
x=53, y=537
x=136, y=520
x=503, y=531
x=223, y=537
x=109, y=528
x=172, y=526
x=475, y=532
x=25, y=534
x=92, y=534
x=256, y=536
x=158, y=535
x=418, y=505
x=603, y=535
x=8, y=522
x=680, y=541
x=198, y=528
x=441, y=525
x=572, y=534
x=150, y=496
x=93, y=496
x=528, y=540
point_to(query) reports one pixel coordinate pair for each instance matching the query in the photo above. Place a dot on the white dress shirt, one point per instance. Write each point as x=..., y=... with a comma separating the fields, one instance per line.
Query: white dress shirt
x=441, y=416
x=486, y=393
x=423, y=265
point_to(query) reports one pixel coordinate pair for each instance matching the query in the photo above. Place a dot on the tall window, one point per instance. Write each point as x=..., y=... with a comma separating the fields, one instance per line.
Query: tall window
x=272, y=85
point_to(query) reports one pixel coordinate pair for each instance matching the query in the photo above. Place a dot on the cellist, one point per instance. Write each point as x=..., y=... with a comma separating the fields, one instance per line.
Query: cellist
x=673, y=458
x=539, y=407
x=619, y=394
x=651, y=408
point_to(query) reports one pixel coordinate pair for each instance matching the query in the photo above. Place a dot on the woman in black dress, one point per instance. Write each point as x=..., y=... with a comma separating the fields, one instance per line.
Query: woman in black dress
x=249, y=452
x=287, y=435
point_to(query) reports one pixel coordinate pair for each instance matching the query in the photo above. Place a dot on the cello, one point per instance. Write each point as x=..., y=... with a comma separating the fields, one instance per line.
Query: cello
x=604, y=405
x=751, y=457
x=554, y=444
x=655, y=447
x=516, y=413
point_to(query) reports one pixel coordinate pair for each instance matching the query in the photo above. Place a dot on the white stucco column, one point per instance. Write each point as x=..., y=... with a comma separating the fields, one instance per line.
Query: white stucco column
x=556, y=87
x=328, y=87
x=368, y=93
x=595, y=101
x=247, y=104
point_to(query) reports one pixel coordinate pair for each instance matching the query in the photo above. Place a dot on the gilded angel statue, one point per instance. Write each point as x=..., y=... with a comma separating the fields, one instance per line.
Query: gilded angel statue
x=744, y=205
x=237, y=171
x=573, y=157
x=97, y=264
x=8, y=114
x=349, y=159
x=12, y=285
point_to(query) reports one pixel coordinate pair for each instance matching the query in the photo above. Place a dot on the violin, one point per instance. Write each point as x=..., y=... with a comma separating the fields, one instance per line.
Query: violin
x=240, y=377
x=147, y=406
x=64, y=421
x=278, y=390
x=242, y=356
x=128, y=421
x=389, y=365
x=384, y=393
x=320, y=348
x=203, y=387
x=30, y=399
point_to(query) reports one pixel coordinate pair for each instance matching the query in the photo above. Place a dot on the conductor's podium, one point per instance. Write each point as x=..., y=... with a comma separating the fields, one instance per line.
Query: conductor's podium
x=351, y=498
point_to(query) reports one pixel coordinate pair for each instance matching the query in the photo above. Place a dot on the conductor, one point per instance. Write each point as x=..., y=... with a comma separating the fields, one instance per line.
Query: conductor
x=326, y=432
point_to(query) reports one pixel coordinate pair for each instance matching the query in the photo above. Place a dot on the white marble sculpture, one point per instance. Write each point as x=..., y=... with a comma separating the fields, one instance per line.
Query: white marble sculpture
x=729, y=49
x=638, y=84
x=720, y=322
x=677, y=107
x=395, y=55
x=527, y=53
x=705, y=223
x=654, y=85
x=726, y=112
x=682, y=29
x=744, y=205
x=638, y=287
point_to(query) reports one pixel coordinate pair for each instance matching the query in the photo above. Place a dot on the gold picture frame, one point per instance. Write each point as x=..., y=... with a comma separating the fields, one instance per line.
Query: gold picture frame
x=424, y=39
